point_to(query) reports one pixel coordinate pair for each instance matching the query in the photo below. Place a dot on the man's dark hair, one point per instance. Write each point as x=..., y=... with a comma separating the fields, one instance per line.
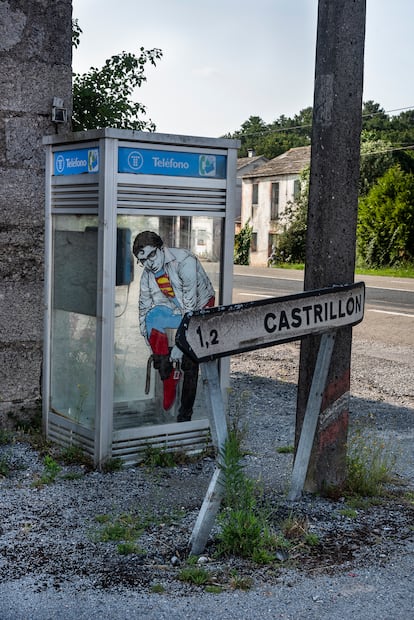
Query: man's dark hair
x=147, y=237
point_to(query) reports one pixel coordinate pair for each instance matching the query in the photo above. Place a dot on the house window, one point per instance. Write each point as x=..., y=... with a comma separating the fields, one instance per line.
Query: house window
x=274, y=206
x=296, y=190
x=255, y=194
x=201, y=237
x=253, y=244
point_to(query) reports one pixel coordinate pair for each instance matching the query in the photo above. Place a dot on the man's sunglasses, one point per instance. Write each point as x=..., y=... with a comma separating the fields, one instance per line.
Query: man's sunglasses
x=150, y=256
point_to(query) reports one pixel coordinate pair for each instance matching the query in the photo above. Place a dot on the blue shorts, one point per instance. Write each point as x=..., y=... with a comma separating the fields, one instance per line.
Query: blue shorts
x=161, y=318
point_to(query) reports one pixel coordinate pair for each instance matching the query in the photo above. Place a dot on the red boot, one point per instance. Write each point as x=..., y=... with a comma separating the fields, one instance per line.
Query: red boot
x=170, y=376
x=170, y=388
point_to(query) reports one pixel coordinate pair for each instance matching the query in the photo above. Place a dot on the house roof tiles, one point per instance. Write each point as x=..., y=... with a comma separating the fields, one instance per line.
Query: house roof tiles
x=291, y=162
x=244, y=161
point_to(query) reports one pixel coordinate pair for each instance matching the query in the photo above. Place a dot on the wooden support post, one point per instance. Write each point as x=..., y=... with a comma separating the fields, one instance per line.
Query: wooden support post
x=307, y=435
x=215, y=492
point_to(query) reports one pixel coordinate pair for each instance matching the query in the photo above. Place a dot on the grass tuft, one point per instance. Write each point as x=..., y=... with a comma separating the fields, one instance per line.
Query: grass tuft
x=369, y=465
x=195, y=575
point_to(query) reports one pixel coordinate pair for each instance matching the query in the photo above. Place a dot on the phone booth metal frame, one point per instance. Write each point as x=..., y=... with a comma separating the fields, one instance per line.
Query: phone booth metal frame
x=95, y=182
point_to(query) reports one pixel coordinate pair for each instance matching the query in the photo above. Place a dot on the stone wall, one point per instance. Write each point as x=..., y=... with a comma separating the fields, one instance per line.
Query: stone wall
x=35, y=66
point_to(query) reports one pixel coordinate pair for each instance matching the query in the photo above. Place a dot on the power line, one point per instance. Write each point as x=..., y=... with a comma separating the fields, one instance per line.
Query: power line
x=391, y=150
x=268, y=132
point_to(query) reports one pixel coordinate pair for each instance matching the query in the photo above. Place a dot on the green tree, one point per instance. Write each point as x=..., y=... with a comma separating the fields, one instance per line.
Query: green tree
x=291, y=246
x=276, y=138
x=376, y=158
x=386, y=220
x=102, y=97
x=293, y=132
x=250, y=134
x=76, y=33
x=402, y=128
x=374, y=119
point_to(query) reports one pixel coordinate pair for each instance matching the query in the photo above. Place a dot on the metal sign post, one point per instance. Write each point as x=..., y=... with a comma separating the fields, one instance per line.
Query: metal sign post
x=215, y=491
x=209, y=334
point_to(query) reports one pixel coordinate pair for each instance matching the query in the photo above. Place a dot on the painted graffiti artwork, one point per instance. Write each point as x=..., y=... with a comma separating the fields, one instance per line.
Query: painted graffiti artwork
x=173, y=282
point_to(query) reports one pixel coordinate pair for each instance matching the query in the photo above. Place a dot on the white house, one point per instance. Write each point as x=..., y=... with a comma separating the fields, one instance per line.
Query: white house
x=244, y=166
x=266, y=192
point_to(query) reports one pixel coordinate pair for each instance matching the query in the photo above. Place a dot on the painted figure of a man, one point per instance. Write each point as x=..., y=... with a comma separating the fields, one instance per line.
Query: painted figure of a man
x=173, y=282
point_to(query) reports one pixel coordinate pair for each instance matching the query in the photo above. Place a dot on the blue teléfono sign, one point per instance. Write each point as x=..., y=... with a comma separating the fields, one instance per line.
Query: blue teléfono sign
x=79, y=161
x=171, y=163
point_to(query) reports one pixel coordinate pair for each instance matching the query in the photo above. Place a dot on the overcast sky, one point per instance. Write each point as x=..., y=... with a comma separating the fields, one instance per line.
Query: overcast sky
x=226, y=60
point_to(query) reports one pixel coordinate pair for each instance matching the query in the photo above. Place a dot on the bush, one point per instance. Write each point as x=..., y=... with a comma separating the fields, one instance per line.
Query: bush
x=242, y=242
x=386, y=220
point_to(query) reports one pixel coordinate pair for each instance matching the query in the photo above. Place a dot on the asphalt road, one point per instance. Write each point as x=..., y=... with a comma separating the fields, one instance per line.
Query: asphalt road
x=389, y=307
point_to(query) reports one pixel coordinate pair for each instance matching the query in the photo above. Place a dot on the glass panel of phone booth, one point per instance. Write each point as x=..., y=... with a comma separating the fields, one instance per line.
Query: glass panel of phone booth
x=138, y=389
x=73, y=318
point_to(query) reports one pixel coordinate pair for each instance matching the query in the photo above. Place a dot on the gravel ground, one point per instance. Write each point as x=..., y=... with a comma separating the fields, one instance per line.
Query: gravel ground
x=54, y=563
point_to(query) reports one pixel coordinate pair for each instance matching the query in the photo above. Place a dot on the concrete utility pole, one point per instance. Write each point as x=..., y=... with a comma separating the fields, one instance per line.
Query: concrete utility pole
x=332, y=217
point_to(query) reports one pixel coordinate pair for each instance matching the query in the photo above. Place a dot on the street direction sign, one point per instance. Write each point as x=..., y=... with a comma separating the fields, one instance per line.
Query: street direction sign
x=225, y=330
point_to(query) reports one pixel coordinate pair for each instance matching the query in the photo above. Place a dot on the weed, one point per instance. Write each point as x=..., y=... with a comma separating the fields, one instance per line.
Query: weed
x=244, y=530
x=5, y=437
x=361, y=503
x=51, y=466
x=157, y=588
x=240, y=583
x=158, y=457
x=213, y=589
x=72, y=475
x=369, y=466
x=4, y=467
x=349, y=512
x=128, y=548
x=102, y=518
x=195, y=575
x=240, y=404
x=311, y=540
x=241, y=533
x=50, y=472
x=124, y=528
x=112, y=465
x=262, y=555
x=27, y=422
x=281, y=543
x=294, y=527
x=239, y=490
x=74, y=455
x=409, y=497
x=285, y=450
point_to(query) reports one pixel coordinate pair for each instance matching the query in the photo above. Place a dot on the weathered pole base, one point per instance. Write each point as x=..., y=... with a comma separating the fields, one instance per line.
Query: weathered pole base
x=327, y=465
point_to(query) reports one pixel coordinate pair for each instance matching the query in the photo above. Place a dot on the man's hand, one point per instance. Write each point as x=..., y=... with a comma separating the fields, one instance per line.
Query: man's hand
x=176, y=354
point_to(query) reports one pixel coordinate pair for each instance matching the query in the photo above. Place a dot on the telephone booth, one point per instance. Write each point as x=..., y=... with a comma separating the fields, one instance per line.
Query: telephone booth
x=102, y=390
